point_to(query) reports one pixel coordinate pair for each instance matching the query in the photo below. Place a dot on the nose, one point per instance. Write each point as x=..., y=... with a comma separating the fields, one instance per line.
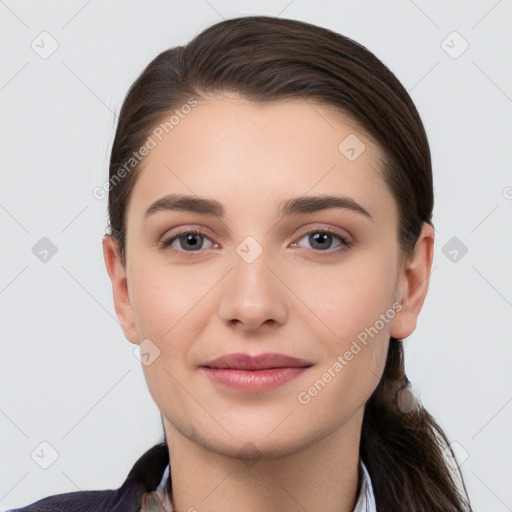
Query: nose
x=253, y=295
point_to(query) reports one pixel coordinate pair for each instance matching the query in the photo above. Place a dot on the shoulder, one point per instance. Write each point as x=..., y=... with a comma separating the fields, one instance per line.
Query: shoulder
x=83, y=501
x=144, y=476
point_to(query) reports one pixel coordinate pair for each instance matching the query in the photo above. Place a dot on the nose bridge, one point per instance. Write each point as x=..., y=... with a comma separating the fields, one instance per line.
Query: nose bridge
x=252, y=295
x=251, y=267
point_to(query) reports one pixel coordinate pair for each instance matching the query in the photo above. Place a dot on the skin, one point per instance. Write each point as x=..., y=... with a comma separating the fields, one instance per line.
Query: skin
x=293, y=299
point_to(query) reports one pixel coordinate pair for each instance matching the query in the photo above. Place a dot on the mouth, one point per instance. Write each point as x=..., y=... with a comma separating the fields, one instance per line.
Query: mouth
x=247, y=373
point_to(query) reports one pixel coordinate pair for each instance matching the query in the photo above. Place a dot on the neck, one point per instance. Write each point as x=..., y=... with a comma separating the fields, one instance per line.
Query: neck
x=322, y=476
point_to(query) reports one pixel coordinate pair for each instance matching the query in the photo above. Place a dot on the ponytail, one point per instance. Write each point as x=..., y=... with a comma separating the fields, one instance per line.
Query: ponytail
x=404, y=451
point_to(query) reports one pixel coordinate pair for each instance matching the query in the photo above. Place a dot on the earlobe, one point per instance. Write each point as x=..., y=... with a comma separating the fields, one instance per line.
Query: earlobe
x=414, y=279
x=116, y=269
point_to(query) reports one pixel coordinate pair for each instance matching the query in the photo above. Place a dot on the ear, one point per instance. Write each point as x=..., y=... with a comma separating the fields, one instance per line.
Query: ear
x=116, y=269
x=413, y=282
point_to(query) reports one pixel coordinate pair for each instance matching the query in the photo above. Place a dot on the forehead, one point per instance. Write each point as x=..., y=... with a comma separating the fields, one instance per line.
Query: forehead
x=253, y=154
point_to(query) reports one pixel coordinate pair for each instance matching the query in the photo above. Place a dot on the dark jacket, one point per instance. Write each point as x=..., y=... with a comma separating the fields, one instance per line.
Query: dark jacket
x=144, y=476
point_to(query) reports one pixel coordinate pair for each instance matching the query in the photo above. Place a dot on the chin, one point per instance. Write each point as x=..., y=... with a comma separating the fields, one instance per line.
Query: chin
x=254, y=443
x=252, y=450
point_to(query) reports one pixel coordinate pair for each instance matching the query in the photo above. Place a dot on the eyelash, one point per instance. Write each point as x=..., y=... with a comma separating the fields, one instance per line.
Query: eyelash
x=344, y=245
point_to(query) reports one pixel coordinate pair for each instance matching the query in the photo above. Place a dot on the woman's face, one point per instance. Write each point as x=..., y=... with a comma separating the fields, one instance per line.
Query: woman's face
x=253, y=281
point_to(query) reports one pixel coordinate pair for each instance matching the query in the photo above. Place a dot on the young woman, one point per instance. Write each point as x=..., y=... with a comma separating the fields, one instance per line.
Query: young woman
x=270, y=246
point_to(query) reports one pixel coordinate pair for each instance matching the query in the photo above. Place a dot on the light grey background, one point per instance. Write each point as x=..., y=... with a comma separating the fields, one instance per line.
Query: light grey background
x=68, y=376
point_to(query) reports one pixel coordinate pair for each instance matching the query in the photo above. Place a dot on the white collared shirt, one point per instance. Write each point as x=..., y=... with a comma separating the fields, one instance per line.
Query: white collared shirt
x=159, y=500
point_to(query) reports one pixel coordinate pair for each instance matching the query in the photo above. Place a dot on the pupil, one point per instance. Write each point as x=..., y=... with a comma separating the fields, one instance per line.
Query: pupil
x=321, y=237
x=190, y=240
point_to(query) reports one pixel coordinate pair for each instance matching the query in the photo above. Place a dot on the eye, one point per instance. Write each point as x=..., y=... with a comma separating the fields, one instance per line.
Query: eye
x=323, y=239
x=193, y=240
x=190, y=240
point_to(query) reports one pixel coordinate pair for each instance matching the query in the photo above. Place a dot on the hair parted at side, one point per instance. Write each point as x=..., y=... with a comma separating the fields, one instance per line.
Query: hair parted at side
x=266, y=59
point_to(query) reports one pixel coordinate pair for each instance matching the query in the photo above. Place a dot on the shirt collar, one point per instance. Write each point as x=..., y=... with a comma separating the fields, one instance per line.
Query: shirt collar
x=159, y=500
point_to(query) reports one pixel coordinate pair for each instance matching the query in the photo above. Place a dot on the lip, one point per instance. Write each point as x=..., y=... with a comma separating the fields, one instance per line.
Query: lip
x=254, y=373
x=265, y=361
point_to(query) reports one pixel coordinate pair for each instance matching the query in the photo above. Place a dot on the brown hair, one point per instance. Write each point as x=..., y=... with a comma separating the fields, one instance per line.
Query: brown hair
x=267, y=59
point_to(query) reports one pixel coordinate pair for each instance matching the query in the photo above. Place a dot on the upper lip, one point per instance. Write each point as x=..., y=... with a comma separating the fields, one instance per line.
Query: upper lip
x=260, y=362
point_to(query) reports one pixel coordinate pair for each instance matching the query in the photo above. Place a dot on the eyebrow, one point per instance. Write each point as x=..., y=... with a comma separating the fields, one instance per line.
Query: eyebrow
x=294, y=206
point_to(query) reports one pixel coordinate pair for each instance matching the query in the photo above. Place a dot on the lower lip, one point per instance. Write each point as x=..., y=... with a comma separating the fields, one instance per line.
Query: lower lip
x=253, y=380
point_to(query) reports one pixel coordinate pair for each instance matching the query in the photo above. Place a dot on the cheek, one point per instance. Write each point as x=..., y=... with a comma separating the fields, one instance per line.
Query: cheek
x=169, y=312
x=163, y=296
x=347, y=299
x=172, y=307
x=355, y=343
x=354, y=303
